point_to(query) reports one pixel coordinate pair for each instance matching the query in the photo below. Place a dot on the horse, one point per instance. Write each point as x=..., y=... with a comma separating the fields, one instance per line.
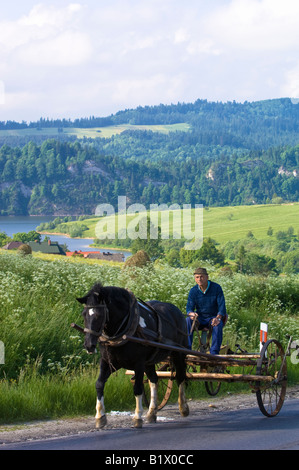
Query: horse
x=113, y=313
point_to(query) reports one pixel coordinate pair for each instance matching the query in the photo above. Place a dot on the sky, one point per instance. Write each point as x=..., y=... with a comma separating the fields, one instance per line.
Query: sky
x=72, y=59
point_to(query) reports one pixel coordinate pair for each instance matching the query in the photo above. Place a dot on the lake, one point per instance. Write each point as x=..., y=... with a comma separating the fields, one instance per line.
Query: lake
x=11, y=225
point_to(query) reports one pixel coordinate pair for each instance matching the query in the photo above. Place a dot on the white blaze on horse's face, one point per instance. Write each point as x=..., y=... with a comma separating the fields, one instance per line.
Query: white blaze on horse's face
x=91, y=312
x=142, y=322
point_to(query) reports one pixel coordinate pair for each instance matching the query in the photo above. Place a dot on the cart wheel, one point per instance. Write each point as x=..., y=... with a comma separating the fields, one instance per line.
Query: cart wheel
x=270, y=395
x=164, y=388
x=213, y=387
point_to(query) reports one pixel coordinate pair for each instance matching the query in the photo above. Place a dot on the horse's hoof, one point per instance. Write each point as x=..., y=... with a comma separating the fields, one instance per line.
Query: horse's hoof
x=101, y=422
x=151, y=418
x=138, y=423
x=184, y=411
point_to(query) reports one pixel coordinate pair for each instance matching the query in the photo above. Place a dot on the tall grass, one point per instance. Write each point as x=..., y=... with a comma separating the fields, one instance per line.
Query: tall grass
x=36, y=396
x=47, y=373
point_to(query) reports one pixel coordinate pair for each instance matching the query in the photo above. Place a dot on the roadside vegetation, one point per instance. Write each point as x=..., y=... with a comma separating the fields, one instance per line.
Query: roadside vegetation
x=48, y=374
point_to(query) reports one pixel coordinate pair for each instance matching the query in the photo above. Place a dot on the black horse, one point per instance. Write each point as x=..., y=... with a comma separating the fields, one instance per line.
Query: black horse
x=112, y=312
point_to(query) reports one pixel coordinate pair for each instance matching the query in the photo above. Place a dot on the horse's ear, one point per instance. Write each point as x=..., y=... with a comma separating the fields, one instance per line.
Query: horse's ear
x=82, y=300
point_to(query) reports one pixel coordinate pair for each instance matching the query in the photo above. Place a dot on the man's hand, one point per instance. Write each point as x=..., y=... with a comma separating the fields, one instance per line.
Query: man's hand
x=192, y=315
x=216, y=320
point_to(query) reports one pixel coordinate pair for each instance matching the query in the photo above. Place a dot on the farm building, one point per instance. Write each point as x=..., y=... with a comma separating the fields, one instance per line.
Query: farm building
x=47, y=247
x=12, y=246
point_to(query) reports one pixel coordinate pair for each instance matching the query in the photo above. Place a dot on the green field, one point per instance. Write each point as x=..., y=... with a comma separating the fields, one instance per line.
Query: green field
x=95, y=132
x=225, y=224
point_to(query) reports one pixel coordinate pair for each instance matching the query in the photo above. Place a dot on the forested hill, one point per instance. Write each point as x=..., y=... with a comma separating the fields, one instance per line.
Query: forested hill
x=256, y=125
x=232, y=154
x=249, y=125
x=73, y=178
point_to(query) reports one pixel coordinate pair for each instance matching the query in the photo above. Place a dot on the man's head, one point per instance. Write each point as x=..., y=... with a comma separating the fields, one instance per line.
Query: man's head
x=201, y=277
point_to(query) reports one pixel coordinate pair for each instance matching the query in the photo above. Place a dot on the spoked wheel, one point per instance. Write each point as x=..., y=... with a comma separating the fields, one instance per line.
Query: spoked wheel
x=213, y=387
x=164, y=387
x=270, y=394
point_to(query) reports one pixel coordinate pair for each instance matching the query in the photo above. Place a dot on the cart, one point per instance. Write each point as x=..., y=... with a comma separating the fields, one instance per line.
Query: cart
x=264, y=371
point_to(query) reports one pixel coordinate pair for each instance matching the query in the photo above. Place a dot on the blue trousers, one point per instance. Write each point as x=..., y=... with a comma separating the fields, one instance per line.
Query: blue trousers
x=217, y=333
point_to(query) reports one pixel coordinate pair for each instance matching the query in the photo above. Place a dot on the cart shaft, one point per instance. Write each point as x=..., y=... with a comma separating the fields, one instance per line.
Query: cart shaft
x=210, y=376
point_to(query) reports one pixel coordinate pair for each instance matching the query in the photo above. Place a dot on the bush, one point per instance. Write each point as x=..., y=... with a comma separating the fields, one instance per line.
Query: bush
x=138, y=260
x=25, y=250
x=208, y=252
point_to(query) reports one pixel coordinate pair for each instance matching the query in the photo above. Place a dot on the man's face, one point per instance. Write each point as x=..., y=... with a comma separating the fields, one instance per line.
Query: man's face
x=201, y=280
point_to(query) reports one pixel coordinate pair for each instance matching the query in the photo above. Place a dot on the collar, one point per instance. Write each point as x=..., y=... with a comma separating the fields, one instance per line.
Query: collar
x=204, y=292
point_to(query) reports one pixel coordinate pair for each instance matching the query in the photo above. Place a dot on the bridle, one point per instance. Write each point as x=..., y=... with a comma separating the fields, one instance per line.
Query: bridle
x=106, y=318
x=131, y=320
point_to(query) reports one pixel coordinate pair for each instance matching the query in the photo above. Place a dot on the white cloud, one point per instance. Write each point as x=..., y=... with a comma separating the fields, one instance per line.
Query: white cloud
x=2, y=92
x=93, y=58
x=69, y=48
x=256, y=25
x=42, y=15
x=134, y=91
x=40, y=24
x=291, y=86
x=205, y=46
x=181, y=36
x=128, y=89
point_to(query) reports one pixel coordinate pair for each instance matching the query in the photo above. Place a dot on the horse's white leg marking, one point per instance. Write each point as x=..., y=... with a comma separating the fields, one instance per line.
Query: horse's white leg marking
x=101, y=419
x=153, y=407
x=138, y=412
x=183, y=406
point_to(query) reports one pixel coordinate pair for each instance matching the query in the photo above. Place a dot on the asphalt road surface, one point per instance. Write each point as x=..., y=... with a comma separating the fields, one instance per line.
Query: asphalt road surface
x=245, y=429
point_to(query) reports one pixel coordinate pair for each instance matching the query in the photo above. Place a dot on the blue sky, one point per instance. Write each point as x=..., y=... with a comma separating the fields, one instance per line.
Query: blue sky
x=93, y=57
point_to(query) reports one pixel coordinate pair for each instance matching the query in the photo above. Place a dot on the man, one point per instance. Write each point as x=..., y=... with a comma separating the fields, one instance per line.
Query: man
x=206, y=303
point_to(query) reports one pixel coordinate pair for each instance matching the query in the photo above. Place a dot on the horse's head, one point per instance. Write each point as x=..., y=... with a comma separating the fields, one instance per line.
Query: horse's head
x=95, y=314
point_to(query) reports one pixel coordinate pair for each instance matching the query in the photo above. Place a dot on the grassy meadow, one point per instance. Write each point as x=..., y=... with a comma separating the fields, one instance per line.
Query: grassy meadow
x=222, y=224
x=233, y=223
x=92, y=133
x=47, y=373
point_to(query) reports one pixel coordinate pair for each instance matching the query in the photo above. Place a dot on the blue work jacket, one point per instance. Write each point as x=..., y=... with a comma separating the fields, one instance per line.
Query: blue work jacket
x=207, y=305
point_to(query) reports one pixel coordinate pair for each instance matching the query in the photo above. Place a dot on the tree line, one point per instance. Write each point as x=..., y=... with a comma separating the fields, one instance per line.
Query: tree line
x=73, y=178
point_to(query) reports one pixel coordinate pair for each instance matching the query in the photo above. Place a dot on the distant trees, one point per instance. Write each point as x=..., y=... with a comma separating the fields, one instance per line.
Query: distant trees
x=24, y=237
x=258, y=264
x=207, y=253
x=264, y=257
x=4, y=239
x=151, y=243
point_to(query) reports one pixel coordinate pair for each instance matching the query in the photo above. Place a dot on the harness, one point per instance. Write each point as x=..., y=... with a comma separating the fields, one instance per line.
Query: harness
x=131, y=320
x=156, y=334
x=132, y=326
x=106, y=318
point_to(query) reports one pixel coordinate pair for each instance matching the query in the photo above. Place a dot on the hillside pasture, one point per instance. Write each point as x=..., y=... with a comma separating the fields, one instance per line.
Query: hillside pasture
x=93, y=132
x=223, y=224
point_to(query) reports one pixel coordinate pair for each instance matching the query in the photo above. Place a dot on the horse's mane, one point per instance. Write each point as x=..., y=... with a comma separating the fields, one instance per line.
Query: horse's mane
x=97, y=288
x=106, y=292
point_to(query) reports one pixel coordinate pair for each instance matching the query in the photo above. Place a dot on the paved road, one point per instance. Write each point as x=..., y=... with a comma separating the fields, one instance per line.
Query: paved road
x=245, y=429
